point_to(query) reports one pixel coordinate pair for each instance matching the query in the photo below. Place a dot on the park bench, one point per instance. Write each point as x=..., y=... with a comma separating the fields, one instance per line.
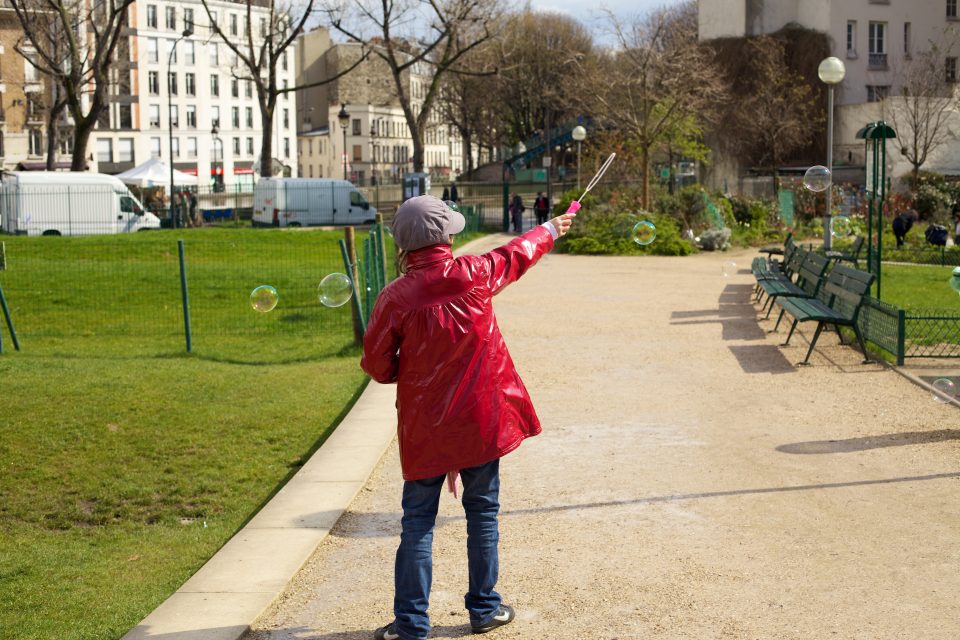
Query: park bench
x=810, y=276
x=777, y=251
x=848, y=256
x=838, y=303
x=785, y=270
x=770, y=267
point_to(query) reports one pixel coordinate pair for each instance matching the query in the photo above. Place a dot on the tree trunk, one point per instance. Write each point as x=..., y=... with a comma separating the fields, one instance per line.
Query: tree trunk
x=645, y=185
x=81, y=136
x=266, y=148
x=468, y=153
x=53, y=131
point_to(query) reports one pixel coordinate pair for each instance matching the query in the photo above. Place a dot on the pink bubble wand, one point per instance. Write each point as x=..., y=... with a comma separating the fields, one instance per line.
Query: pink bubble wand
x=575, y=205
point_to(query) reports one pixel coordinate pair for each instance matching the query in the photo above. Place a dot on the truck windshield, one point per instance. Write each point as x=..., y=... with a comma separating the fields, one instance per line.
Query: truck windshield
x=129, y=204
x=356, y=199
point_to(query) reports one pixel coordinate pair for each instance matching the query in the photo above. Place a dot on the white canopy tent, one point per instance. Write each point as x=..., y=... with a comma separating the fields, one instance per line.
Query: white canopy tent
x=156, y=173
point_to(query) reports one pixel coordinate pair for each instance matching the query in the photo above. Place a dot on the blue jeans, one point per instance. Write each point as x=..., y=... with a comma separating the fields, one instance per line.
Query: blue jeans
x=414, y=567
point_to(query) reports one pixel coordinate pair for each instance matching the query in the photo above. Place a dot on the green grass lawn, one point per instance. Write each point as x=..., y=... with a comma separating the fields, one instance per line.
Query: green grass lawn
x=919, y=288
x=126, y=463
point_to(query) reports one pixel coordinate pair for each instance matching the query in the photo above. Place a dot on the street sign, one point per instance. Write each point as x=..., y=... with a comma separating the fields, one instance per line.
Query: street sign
x=547, y=161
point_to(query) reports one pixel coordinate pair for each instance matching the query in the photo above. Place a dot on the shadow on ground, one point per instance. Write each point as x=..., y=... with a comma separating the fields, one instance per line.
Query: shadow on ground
x=870, y=442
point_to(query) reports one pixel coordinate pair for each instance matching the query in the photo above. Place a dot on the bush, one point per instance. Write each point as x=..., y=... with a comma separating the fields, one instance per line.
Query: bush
x=932, y=202
x=599, y=231
x=715, y=239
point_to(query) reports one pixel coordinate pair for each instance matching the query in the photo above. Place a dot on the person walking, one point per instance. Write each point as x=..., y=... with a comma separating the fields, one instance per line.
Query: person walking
x=446, y=194
x=461, y=405
x=541, y=207
x=516, y=212
x=454, y=193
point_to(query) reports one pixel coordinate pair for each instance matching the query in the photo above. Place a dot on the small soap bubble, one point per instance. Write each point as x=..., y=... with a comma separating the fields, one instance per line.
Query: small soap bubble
x=841, y=227
x=264, y=298
x=644, y=232
x=946, y=387
x=817, y=178
x=955, y=280
x=729, y=268
x=335, y=290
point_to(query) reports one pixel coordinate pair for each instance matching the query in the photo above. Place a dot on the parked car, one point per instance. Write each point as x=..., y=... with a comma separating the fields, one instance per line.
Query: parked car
x=302, y=202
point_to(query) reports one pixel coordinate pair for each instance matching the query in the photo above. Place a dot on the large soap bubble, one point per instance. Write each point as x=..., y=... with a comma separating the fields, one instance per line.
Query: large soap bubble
x=644, y=232
x=335, y=290
x=817, y=178
x=264, y=298
x=841, y=227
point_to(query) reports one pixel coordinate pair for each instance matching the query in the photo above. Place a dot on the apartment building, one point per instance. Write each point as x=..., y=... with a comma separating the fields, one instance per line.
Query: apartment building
x=354, y=126
x=876, y=40
x=176, y=97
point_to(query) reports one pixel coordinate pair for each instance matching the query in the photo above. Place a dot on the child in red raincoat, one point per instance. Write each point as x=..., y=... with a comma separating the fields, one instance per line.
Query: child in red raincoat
x=461, y=405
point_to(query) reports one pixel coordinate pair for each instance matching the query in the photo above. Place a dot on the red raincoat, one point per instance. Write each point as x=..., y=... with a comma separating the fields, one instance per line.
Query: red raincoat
x=460, y=402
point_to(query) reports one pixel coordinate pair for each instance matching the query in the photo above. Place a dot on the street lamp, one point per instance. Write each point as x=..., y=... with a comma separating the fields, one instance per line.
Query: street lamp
x=217, y=172
x=344, y=118
x=831, y=72
x=186, y=34
x=579, y=134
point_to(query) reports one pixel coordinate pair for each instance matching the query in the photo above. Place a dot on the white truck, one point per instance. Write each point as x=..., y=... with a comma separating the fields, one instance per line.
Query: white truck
x=303, y=202
x=55, y=203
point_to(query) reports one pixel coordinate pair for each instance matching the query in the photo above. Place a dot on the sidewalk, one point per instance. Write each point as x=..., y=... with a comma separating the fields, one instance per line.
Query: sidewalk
x=691, y=481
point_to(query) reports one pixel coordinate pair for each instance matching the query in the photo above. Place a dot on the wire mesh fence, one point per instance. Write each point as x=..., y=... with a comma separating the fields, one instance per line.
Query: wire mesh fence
x=123, y=294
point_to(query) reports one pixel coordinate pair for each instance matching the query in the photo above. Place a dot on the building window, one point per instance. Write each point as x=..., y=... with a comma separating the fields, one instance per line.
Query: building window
x=951, y=68
x=171, y=15
x=154, y=116
x=215, y=86
x=125, y=150
x=248, y=89
x=283, y=60
x=286, y=147
x=952, y=9
x=155, y=147
x=176, y=147
x=877, y=45
x=191, y=117
x=174, y=116
x=36, y=142
x=234, y=88
x=153, y=82
x=285, y=85
x=190, y=55
x=153, y=50
x=236, y=147
x=263, y=27
x=233, y=24
x=906, y=39
x=851, y=38
x=249, y=112
x=249, y=146
x=190, y=84
x=188, y=19
x=214, y=54
x=286, y=118
x=356, y=126
x=152, y=16
x=172, y=81
x=191, y=147
x=215, y=116
x=235, y=117
x=125, y=112
x=2, y=153
x=171, y=51
x=104, y=150
x=358, y=153
x=876, y=93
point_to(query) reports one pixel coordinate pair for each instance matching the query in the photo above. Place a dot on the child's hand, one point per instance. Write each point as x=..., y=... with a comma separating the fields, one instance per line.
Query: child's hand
x=562, y=223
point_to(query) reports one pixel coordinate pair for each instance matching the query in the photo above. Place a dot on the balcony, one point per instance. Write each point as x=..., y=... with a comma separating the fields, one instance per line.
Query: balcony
x=877, y=62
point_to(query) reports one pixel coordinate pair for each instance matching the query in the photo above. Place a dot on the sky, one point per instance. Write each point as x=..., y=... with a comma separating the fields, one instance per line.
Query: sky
x=593, y=16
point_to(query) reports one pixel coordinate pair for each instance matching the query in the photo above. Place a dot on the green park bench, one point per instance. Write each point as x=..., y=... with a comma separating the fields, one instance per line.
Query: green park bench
x=853, y=255
x=791, y=267
x=809, y=280
x=774, y=250
x=770, y=267
x=838, y=303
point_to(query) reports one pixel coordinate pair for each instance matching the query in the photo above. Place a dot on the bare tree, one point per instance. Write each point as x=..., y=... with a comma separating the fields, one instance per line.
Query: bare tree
x=776, y=112
x=74, y=44
x=920, y=113
x=454, y=29
x=269, y=29
x=657, y=80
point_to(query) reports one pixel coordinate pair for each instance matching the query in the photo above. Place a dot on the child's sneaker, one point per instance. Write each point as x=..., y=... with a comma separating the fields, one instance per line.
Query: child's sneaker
x=504, y=615
x=388, y=632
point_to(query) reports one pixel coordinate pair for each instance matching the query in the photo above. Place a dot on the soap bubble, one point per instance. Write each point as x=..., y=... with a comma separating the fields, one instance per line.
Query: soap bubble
x=644, y=232
x=335, y=290
x=946, y=387
x=729, y=268
x=841, y=227
x=955, y=280
x=264, y=298
x=817, y=178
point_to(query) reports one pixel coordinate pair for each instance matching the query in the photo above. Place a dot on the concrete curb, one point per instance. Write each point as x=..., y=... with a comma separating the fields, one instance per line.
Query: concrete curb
x=246, y=575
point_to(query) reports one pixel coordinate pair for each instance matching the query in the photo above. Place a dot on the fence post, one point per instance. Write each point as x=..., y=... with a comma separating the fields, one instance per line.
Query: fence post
x=6, y=314
x=348, y=247
x=185, y=297
x=382, y=250
x=901, y=335
x=506, y=206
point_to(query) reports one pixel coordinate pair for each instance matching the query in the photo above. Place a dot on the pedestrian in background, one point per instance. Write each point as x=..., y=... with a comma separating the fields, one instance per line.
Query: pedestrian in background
x=541, y=207
x=516, y=212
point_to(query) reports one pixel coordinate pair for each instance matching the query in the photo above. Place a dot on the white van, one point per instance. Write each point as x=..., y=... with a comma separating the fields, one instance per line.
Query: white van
x=303, y=202
x=56, y=203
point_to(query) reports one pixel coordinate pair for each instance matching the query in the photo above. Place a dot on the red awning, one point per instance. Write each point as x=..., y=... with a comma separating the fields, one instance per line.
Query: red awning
x=242, y=170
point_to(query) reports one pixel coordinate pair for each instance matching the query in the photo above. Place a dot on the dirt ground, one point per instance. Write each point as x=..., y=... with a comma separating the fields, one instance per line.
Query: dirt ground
x=690, y=482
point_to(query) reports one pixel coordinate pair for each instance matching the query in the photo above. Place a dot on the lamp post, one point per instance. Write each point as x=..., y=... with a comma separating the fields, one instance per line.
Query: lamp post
x=831, y=72
x=344, y=118
x=217, y=172
x=579, y=134
x=186, y=34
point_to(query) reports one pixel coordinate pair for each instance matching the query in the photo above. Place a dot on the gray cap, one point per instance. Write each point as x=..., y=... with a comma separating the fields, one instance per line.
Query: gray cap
x=423, y=221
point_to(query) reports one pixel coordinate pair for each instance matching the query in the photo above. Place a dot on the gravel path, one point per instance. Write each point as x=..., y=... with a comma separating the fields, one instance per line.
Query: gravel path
x=690, y=481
